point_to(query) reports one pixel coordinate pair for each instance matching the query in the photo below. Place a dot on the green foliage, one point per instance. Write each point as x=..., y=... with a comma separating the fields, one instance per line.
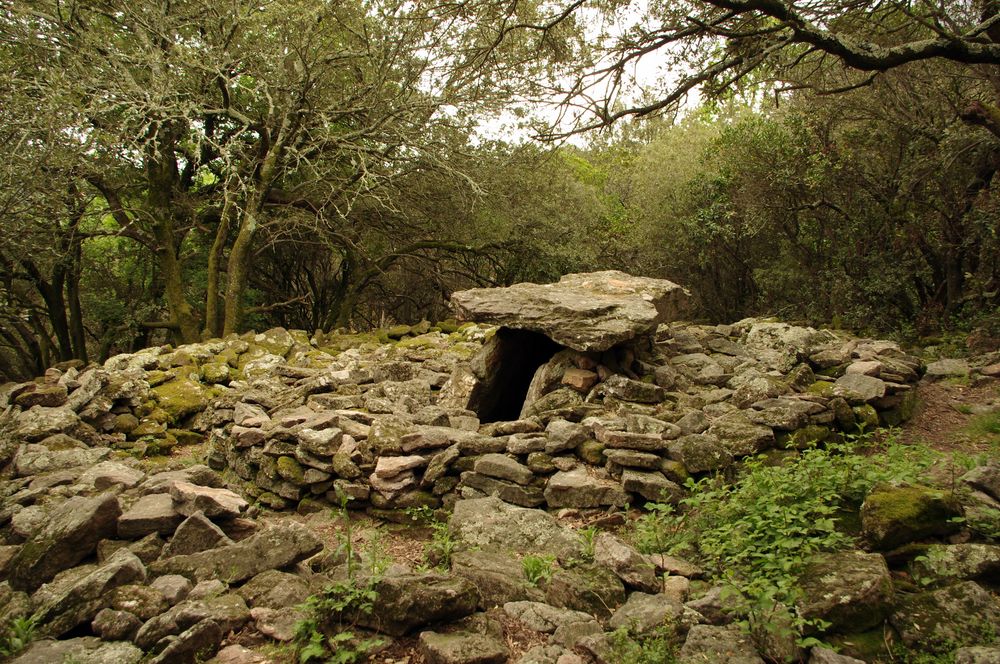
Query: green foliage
x=537, y=569
x=755, y=535
x=326, y=634
x=442, y=545
x=588, y=536
x=16, y=636
x=656, y=647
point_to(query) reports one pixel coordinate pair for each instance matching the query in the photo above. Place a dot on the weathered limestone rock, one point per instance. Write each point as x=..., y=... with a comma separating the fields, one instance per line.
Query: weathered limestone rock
x=38, y=422
x=741, y=437
x=542, y=617
x=588, y=588
x=634, y=569
x=956, y=614
x=153, y=513
x=71, y=535
x=409, y=601
x=852, y=590
x=274, y=590
x=504, y=467
x=110, y=473
x=272, y=548
x=279, y=624
x=491, y=524
x=498, y=577
x=81, y=601
x=580, y=488
x=643, y=613
x=192, y=645
x=215, y=503
x=113, y=625
x=585, y=312
x=948, y=368
x=969, y=561
x=708, y=643
x=826, y=656
x=978, y=655
x=652, y=486
x=228, y=611
x=509, y=492
x=196, y=533
x=85, y=650
x=985, y=478
x=700, y=453
x=859, y=388
x=462, y=648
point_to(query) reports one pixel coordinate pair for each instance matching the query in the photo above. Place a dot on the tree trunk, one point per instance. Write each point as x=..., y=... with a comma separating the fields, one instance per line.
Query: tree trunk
x=213, y=321
x=77, y=333
x=236, y=272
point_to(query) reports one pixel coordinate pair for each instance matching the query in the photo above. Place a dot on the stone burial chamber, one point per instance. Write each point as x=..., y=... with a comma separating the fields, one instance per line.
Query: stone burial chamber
x=594, y=314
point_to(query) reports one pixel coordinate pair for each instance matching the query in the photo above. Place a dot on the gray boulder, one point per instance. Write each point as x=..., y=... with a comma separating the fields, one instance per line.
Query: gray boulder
x=709, y=643
x=491, y=524
x=73, y=530
x=936, y=621
x=274, y=547
x=581, y=488
x=81, y=601
x=83, y=650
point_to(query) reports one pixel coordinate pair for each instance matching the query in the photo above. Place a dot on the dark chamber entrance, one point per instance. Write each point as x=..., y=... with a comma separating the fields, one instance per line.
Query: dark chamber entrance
x=505, y=369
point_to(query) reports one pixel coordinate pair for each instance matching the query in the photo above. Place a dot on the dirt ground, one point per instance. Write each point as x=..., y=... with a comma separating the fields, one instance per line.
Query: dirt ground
x=947, y=413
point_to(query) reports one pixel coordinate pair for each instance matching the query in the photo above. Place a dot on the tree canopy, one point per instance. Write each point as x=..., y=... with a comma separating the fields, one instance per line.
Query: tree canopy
x=180, y=170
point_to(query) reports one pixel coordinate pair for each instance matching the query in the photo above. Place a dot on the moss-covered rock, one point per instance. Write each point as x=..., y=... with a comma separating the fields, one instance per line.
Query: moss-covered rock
x=291, y=470
x=181, y=398
x=590, y=451
x=866, y=417
x=215, y=373
x=185, y=437
x=938, y=622
x=807, y=436
x=891, y=516
x=592, y=589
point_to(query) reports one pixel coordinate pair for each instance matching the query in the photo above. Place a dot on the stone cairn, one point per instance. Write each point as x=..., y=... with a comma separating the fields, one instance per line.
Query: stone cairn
x=588, y=393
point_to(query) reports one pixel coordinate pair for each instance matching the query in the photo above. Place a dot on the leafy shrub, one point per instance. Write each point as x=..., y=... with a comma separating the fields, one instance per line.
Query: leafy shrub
x=756, y=535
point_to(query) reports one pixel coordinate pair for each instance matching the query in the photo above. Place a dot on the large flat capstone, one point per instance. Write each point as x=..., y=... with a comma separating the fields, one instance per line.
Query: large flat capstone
x=586, y=312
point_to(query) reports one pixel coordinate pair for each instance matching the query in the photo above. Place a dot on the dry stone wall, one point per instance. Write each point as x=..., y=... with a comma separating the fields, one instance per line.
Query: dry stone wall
x=301, y=420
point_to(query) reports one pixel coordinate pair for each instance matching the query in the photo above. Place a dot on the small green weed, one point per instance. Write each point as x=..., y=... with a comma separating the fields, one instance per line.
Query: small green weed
x=16, y=636
x=588, y=537
x=985, y=426
x=656, y=647
x=442, y=545
x=537, y=568
x=337, y=607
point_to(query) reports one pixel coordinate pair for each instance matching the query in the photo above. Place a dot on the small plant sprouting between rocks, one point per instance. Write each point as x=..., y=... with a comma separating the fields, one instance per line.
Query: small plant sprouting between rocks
x=439, y=550
x=537, y=568
x=588, y=538
x=656, y=647
x=756, y=535
x=16, y=636
x=337, y=607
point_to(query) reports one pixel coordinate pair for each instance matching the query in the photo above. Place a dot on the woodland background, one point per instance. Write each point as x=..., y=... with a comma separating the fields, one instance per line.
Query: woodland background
x=173, y=170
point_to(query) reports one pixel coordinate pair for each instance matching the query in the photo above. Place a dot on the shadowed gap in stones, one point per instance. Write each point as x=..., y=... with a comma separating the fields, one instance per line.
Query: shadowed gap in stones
x=505, y=369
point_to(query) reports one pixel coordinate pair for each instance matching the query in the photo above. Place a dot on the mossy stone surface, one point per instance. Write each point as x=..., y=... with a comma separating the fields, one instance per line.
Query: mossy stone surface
x=291, y=470
x=180, y=398
x=892, y=516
